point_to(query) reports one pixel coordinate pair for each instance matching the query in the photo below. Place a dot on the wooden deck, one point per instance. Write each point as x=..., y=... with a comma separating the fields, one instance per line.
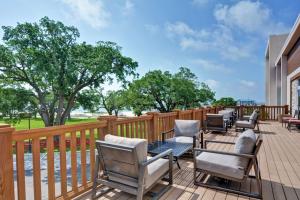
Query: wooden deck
x=279, y=161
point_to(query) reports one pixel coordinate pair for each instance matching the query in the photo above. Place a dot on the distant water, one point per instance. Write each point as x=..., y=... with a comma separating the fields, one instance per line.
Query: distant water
x=83, y=113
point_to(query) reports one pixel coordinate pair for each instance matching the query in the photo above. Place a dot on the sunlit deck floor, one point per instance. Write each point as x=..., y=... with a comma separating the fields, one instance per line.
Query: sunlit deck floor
x=279, y=161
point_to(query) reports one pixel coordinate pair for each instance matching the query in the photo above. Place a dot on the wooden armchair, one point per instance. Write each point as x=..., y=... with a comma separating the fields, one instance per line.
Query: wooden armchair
x=186, y=131
x=125, y=166
x=216, y=122
x=232, y=166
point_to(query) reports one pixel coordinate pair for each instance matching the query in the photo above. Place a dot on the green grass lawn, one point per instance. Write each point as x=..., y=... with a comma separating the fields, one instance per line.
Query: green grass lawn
x=38, y=123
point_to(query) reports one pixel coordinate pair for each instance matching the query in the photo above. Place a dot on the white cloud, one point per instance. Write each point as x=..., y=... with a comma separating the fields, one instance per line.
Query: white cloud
x=211, y=66
x=247, y=83
x=213, y=84
x=128, y=8
x=91, y=12
x=219, y=39
x=248, y=16
x=234, y=36
x=152, y=28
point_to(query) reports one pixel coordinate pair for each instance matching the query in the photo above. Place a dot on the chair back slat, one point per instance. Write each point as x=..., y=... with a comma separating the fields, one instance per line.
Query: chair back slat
x=118, y=159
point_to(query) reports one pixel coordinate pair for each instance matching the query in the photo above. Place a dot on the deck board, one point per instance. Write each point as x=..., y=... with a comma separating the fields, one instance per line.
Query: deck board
x=279, y=163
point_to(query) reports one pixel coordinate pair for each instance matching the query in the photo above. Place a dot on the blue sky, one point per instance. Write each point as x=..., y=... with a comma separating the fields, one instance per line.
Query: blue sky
x=222, y=42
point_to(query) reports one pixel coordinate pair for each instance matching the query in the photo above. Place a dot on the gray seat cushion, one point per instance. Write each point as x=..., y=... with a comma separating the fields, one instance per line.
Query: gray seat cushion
x=221, y=164
x=226, y=113
x=183, y=139
x=187, y=128
x=253, y=116
x=245, y=143
x=228, y=165
x=156, y=170
x=244, y=124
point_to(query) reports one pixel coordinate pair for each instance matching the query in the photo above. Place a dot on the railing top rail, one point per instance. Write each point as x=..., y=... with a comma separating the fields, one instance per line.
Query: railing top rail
x=186, y=111
x=55, y=130
x=133, y=119
x=167, y=114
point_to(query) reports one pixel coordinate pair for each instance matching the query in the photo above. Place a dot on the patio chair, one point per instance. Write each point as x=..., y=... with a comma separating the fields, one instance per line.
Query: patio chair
x=247, y=117
x=285, y=119
x=216, y=122
x=125, y=166
x=228, y=116
x=186, y=131
x=249, y=124
x=231, y=166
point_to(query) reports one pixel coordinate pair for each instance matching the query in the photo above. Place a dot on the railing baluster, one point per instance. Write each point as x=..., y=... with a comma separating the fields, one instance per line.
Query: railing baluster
x=63, y=164
x=127, y=130
x=132, y=130
x=83, y=156
x=74, y=161
x=92, y=153
x=36, y=168
x=20, y=170
x=50, y=167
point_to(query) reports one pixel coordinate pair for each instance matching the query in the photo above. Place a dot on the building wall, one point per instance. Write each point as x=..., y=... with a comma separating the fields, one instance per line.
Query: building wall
x=276, y=43
x=294, y=94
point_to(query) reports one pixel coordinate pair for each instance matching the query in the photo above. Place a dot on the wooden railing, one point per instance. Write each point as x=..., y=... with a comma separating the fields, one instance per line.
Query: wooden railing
x=70, y=149
x=266, y=112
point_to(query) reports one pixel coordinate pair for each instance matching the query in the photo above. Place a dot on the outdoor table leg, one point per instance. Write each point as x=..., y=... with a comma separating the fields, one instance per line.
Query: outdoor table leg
x=176, y=160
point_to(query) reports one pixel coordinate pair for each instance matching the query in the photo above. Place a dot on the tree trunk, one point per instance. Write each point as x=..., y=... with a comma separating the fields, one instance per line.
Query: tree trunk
x=60, y=108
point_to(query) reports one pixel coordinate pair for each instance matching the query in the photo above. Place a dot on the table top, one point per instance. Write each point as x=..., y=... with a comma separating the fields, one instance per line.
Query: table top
x=178, y=149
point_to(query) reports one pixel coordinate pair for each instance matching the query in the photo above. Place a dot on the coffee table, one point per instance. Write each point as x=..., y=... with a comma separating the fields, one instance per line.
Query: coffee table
x=178, y=149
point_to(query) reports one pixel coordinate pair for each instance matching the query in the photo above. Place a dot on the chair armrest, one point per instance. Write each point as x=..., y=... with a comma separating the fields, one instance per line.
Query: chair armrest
x=164, y=134
x=224, y=153
x=198, y=136
x=168, y=152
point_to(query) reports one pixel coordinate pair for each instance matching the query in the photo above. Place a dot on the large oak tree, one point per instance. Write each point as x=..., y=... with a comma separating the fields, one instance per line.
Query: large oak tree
x=164, y=91
x=47, y=57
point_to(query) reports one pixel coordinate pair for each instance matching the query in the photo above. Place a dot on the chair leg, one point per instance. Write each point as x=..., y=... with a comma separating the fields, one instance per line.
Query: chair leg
x=140, y=194
x=258, y=177
x=258, y=127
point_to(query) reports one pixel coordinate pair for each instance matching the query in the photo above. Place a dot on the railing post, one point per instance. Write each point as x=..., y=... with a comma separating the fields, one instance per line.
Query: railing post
x=111, y=126
x=194, y=114
x=178, y=116
x=6, y=164
x=286, y=109
x=154, y=126
x=241, y=111
x=263, y=113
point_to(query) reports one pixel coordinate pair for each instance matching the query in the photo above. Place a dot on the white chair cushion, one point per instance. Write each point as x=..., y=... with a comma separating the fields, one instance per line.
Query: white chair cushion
x=141, y=145
x=187, y=128
x=221, y=164
x=156, y=170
